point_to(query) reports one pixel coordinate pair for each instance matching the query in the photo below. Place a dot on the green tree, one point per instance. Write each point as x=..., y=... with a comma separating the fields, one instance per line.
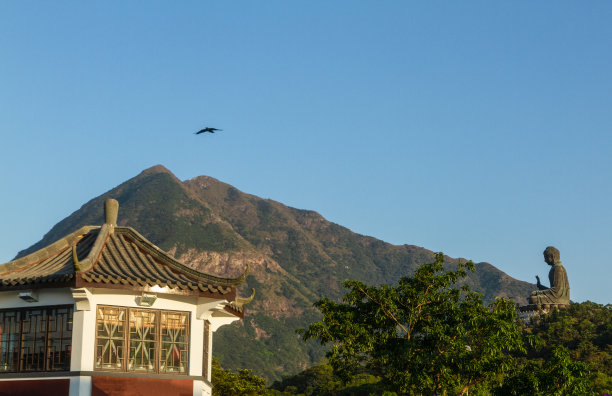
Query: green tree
x=319, y=380
x=239, y=383
x=585, y=331
x=558, y=376
x=423, y=336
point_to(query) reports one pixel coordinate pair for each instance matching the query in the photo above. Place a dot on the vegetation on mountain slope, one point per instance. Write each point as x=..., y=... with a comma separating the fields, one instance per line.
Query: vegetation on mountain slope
x=228, y=382
x=585, y=331
x=296, y=257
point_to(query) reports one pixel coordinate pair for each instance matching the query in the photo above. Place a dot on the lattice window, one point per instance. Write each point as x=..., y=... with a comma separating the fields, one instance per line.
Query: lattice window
x=10, y=326
x=35, y=339
x=143, y=340
x=158, y=341
x=59, y=338
x=33, y=334
x=174, y=335
x=110, y=338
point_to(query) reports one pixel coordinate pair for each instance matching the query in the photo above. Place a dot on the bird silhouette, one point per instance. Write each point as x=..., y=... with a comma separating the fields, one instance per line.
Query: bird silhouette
x=208, y=129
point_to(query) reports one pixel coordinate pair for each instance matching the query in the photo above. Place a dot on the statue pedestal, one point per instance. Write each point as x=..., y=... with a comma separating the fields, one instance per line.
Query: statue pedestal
x=526, y=312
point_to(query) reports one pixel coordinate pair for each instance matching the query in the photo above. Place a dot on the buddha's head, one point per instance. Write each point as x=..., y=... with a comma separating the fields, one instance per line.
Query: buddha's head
x=552, y=255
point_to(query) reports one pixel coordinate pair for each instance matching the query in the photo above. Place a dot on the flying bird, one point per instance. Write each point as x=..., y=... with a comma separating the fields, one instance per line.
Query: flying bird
x=208, y=129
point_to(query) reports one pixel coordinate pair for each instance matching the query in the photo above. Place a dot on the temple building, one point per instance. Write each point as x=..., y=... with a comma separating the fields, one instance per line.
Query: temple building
x=103, y=311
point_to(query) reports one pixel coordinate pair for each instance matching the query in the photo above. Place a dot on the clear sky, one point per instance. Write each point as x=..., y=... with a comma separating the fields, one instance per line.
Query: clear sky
x=480, y=129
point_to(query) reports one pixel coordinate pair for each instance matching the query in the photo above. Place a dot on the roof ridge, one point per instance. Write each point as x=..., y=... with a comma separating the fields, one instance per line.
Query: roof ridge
x=89, y=261
x=46, y=252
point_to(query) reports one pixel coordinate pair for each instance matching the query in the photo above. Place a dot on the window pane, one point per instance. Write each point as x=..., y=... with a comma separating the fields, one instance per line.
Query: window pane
x=143, y=337
x=110, y=338
x=141, y=340
x=35, y=339
x=33, y=332
x=59, y=339
x=9, y=340
x=174, y=339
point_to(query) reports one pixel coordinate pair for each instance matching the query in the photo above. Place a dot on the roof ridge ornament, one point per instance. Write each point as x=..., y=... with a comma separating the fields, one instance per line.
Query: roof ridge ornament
x=242, y=301
x=96, y=249
x=111, y=210
x=75, y=259
x=243, y=277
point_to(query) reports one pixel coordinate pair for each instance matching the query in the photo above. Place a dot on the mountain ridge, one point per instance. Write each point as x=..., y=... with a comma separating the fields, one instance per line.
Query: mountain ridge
x=296, y=257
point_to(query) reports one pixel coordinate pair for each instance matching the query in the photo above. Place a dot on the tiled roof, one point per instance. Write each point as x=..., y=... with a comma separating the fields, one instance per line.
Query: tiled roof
x=126, y=259
x=53, y=264
x=109, y=256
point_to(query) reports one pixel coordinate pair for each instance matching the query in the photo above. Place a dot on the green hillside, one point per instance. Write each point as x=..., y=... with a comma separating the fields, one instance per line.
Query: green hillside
x=296, y=257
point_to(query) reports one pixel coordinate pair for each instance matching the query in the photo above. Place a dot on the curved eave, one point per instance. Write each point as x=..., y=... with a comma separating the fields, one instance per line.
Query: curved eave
x=43, y=282
x=235, y=310
x=141, y=285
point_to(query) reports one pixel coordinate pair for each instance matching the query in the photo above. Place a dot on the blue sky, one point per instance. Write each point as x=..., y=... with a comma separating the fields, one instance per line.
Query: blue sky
x=483, y=130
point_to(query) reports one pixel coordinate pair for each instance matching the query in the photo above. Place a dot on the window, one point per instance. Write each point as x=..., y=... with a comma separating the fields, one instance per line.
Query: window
x=35, y=339
x=142, y=340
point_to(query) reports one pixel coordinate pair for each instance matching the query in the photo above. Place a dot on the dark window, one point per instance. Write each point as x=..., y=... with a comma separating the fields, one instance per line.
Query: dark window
x=35, y=339
x=141, y=340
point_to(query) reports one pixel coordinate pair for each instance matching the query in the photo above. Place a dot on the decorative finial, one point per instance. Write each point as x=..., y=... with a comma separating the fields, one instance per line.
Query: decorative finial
x=111, y=209
x=244, y=301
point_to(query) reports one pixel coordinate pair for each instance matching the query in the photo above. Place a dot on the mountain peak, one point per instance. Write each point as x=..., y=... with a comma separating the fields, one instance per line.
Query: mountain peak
x=156, y=170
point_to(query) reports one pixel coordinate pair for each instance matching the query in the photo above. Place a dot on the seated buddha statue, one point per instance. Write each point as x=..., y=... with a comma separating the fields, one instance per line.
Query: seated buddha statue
x=559, y=291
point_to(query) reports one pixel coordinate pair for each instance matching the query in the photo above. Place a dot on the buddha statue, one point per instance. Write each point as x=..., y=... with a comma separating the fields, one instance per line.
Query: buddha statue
x=558, y=292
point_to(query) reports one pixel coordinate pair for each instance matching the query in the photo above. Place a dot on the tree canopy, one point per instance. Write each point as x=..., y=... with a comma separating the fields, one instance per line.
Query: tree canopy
x=424, y=336
x=230, y=383
x=574, y=338
x=427, y=336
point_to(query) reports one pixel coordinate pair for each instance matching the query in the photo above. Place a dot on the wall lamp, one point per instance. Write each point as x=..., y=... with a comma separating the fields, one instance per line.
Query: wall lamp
x=29, y=296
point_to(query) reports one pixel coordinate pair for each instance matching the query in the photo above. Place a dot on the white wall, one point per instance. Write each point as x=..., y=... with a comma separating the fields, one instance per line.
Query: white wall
x=10, y=299
x=200, y=309
x=84, y=322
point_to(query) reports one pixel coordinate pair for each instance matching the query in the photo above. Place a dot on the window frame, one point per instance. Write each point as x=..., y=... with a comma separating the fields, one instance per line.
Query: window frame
x=157, y=341
x=50, y=321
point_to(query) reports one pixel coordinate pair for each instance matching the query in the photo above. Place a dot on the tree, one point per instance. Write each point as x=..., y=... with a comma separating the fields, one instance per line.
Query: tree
x=319, y=380
x=229, y=383
x=585, y=331
x=559, y=376
x=423, y=336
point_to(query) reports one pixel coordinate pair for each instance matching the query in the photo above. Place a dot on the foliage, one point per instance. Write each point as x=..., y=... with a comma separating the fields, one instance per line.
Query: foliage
x=266, y=351
x=567, y=354
x=556, y=377
x=423, y=336
x=320, y=380
x=242, y=382
x=585, y=331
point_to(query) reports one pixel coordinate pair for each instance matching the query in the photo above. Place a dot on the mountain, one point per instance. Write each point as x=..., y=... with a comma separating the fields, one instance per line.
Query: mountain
x=296, y=257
